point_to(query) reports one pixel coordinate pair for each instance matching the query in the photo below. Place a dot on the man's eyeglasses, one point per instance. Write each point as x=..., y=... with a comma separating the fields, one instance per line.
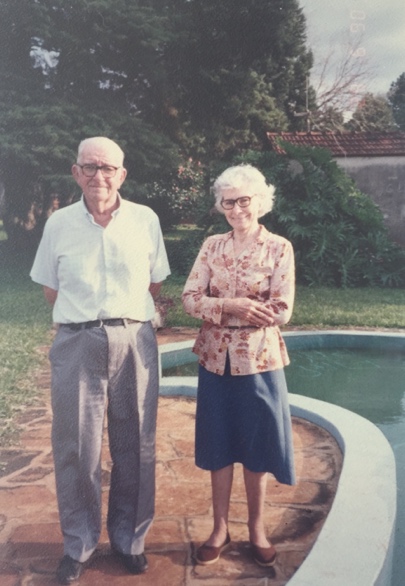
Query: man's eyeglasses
x=243, y=202
x=91, y=170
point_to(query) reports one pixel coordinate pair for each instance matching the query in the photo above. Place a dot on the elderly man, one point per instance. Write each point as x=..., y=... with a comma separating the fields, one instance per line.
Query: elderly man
x=101, y=262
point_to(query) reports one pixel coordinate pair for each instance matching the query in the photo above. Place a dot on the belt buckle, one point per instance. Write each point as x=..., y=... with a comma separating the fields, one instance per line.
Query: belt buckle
x=100, y=324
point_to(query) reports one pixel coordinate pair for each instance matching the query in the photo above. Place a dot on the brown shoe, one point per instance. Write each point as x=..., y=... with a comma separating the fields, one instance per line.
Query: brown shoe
x=209, y=554
x=264, y=556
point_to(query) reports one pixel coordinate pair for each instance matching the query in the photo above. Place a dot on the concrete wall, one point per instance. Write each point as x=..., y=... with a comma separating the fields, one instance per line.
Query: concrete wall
x=383, y=179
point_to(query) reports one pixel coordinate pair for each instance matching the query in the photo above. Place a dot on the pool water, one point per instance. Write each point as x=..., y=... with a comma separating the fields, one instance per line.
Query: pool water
x=369, y=382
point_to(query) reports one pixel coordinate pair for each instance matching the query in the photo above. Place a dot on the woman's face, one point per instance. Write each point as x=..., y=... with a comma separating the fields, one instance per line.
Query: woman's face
x=241, y=218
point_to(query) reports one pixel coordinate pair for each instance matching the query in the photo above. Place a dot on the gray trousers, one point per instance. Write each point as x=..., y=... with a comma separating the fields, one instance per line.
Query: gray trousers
x=113, y=368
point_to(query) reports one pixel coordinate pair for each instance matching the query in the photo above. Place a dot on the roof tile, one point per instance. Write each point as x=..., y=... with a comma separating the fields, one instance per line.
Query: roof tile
x=344, y=144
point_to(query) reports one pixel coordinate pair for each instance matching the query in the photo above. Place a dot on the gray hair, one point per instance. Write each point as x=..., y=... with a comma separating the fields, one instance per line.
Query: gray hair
x=248, y=179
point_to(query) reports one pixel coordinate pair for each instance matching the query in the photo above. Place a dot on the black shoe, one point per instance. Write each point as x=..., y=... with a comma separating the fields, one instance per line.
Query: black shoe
x=135, y=564
x=68, y=570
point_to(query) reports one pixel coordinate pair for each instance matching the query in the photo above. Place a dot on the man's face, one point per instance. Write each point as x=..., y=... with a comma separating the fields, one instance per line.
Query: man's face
x=100, y=190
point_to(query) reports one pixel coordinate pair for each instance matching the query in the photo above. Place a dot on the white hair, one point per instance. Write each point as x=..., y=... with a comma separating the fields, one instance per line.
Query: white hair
x=100, y=140
x=249, y=181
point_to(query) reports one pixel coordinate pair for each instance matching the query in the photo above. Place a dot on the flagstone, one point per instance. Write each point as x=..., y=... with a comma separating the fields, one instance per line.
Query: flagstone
x=31, y=540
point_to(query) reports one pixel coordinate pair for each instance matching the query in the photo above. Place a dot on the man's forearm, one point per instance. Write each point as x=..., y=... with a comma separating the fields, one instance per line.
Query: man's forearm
x=50, y=295
x=154, y=289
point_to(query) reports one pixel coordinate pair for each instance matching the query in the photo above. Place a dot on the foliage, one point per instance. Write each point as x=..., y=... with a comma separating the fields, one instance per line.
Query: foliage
x=154, y=76
x=396, y=98
x=38, y=147
x=236, y=70
x=177, y=199
x=337, y=232
x=182, y=253
x=102, y=64
x=106, y=51
x=328, y=119
x=373, y=114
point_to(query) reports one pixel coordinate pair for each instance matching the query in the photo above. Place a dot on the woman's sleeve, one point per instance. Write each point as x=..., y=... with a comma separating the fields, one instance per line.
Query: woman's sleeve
x=196, y=297
x=282, y=285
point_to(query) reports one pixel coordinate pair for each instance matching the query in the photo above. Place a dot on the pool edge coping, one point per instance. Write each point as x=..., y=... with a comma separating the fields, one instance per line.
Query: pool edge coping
x=355, y=544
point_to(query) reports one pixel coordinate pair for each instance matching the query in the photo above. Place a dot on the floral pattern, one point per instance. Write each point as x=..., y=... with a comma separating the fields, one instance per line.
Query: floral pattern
x=264, y=271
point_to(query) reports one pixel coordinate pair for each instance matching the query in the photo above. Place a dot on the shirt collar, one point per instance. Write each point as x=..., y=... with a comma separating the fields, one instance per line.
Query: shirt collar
x=89, y=215
x=261, y=237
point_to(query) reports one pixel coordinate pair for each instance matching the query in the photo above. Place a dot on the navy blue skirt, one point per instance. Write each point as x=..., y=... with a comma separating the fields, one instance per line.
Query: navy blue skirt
x=244, y=419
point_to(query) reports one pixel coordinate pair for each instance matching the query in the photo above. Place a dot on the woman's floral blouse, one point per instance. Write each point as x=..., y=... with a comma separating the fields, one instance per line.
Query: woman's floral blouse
x=264, y=271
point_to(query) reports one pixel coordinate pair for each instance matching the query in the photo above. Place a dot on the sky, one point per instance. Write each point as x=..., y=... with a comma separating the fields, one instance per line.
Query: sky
x=375, y=27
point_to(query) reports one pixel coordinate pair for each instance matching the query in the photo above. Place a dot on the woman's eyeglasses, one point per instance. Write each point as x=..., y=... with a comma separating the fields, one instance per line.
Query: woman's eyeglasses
x=243, y=202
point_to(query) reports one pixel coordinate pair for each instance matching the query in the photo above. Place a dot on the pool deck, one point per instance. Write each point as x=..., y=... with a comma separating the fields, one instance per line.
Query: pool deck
x=30, y=539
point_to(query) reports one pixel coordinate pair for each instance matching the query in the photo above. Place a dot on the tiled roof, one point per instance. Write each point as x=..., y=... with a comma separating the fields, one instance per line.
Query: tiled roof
x=345, y=144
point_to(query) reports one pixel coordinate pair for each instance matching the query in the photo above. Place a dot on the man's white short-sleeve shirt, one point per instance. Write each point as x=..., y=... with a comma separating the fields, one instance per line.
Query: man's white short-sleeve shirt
x=101, y=272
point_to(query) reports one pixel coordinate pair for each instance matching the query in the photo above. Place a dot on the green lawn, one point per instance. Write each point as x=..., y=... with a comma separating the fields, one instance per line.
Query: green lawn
x=320, y=307
x=25, y=324
x=349, y=308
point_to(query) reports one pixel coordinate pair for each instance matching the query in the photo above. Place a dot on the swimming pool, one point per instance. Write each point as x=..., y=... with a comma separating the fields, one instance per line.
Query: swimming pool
x=360, y=371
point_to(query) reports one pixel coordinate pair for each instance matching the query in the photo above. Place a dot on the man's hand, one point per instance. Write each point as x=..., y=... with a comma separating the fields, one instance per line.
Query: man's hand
x=154, y=289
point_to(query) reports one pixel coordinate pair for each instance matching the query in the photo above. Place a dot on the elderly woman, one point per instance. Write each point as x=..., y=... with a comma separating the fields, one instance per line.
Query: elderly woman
x=242, y=287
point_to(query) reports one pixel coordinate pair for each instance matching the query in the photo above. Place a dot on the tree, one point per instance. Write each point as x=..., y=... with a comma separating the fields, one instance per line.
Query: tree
x=396, y=98
x=96, y=84
x=237, y=69
x=373, y=114
x=342, y=76
x=157, y=76
x=329, y=119
x=338, y=81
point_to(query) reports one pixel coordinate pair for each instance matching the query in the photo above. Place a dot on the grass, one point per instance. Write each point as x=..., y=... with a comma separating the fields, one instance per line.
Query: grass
x=349, y=308
x=319, y=307
x=25, y=324
x=182, y=231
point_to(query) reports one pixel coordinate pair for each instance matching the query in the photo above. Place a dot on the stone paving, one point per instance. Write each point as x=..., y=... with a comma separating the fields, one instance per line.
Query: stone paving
x=30, y=539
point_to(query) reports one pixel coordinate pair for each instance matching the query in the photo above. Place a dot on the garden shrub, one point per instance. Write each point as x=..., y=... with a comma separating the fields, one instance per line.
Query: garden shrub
x=338, y=233
x=177, y=199
x=183, y=252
